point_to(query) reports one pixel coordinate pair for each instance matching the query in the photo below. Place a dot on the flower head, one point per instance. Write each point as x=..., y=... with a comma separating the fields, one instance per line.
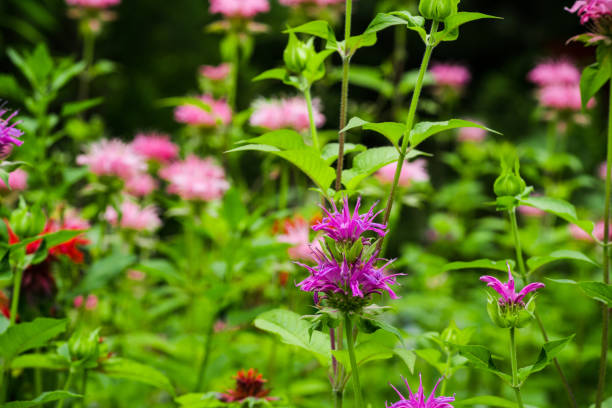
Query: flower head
x=155, y=146
x=452, y=75
x=295, y=3
x=239, y=8
x=415, y=171
x=508, y=294
x=215, y=73
x=562, y=97
x=70, y=248
x=289, y=113
x=219, y=113
x=133, y=217
x=140, y=185
x=296, y=232
x=344, y=226
x=17, y=180
x=417, y=400
x=553, y=72
x=196, y=179
x=113, y=158
x=93, y=4
x=248, y=384
x=591, y=10
x=9, y=134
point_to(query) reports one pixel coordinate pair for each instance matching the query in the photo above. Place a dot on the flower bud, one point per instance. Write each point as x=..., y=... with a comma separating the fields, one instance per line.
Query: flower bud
x=509, y=183
x=438, y=10
x=84, y=345
x=297, y=54
x=27, y=222
x=510, y=315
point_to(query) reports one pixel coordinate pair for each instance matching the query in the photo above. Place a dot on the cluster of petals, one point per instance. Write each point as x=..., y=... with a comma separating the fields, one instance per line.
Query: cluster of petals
x=113, y=158
x=133, y=217
x=418, y=400
x=71, y=248
x=289, y=113
x=591, y=10
x=9, y=134
x=196, y=179
x=451, y=75
x=249, y=384
x=508, y=294
x=155, y=146
x=91, y=302
x=315, y=2
x=344, y=226
x=17, y=180
x=296, y=232
x=239, y=8
x=558, y=84
x=415, y=171
x=562, y=97
x=554, y=72
x=215, y=72
x=93, y=4
x=219, y=113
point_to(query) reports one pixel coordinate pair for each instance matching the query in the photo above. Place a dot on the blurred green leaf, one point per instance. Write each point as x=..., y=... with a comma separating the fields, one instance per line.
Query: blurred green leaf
x=25, y=336
x=407, y=356
x=134, y=371
x=72, y=108
x=424, y=130
x=43, y=398
x=537, y=262
x=480, y=264
x=480, y=357
x=549, y=351
x=391, y=130
x=488, y=400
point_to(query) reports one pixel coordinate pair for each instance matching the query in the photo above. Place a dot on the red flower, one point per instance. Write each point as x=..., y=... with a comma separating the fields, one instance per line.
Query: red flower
x=248, y=384
x=4, y=306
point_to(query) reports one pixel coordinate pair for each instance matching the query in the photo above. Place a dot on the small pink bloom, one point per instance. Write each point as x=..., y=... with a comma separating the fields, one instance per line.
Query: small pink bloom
x=215, y=73
x=452, y=75
x=196, y=179
x=133, y=217
x=78, y=301
x=140, y=185
x=112, y=158
x=93, y=4
x=297, y=233
x=18, y=181
x=591, y=9
x=155, y=146
x=579, y=234
x=602, y=171
x=239, y=8
x=415, y=171
x=289, y=113
x=554, y=73
x=472, y=134
x=92, y=302
x=562, y=97
x=295, y=3
x=530, y=211
x=220, y=113
x=136, y=275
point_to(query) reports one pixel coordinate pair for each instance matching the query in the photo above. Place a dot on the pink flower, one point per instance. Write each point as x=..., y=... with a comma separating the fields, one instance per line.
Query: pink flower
x=155, y=146
x=591, y=9
x=239, y=8
x=215, y=73
x=418, y=400
x=196, y=179
x=18, y=180
x=133, y=217
x=296, y=233
x=598, y=231
x=78, y=301
x=136, y=275
x=530, y=211
x=554, y=73
x=602, y=171
x=452, y=75
x=140, y=185
x=315, y=2
x=507, y=291
x=472, y=134
x=94, y=4
x=112, y=158
x=90, y=304
x=286, y=113
x=562, y=97
x=415, y=171
x=220, y=113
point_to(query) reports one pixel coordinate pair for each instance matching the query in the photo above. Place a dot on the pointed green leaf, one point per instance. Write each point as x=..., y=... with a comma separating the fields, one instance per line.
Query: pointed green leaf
x=43, y=398
x=25, y=336
x=408, y=357
x=274, y=73
x=593, y=78
x=134, y=371
x=536, y=262
x=318, y=28
x=284, y=139
x=560, y=208
x=599, y=291
x=452, y=24
x=72, y=108
x=549, y=351
x=329, y=153
x=424, y=130
x=480, y=357
x=391, y=130
x=480, y=264
x=46, y=361
x=486, y=400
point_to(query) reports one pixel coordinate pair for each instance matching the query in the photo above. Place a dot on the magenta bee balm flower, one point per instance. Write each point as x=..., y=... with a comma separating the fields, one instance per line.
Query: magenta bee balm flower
x=155, y=146
x=93, y=4
x=452, y=75
x=239, y=8
x=554, y=72
x=113, y=158
x=291, y=113
x=9, y=134
x=591, y=10
x=344, y=226
x=220, y=113
x=506, y=290
x=133, y=217
x=215, y=73
x=417, y=400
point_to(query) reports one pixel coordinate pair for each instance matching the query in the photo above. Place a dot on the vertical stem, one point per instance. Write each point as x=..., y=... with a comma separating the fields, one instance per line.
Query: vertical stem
x=429, y=46
x=513, y=360
x=346, y=62
x=313, y=125
x=283, y=196
x=517, y=245
x=207, y=346
x=15, y=297
x=605, y=309
x=60, y=403
x=84, y=387
x=89, y=41
x=350, y=343
x=3, y=389
x=338, y=396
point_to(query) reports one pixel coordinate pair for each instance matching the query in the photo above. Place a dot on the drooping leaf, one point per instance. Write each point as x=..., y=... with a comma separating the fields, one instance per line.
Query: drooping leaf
x=26, y=336
x=51, y=361
x=134, y=371
x=329, y=153
x=537, y=262
x=480, y=264
x=284, y=139
x=318, y=28
x=549, y=351
x=560, y=208
x=453, y=22
x=593, y=78
x=43, y=398
x=424, y=130
x=391, y=130
x=407, y=356
x=480, y=357
x=274, y=73
x=599, y=291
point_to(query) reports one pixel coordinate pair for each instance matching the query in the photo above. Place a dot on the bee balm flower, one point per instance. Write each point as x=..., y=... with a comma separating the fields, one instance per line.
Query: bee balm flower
x=289, y=113
x=506, y=290
x=93, y=4
x=220, y=113
x=9, y=134
x=249, y=384
x=215, y=73
x=112, y=158
x=591, y=10
x=417, y=400
x=18, y=181
x=155, y=146
x=415, y=171
x=554, y=73
x=196, y=179
x=451, y=75
x=133, y=217
x=342, y=226
x=239, y=8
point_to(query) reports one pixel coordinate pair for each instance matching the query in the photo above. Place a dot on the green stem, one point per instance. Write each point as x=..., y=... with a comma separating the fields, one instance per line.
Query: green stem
x=84, y=387
x=60, y=403
x=313, y=125
x=3, y=389
x=346, y=62
x=514, y=362
x=350, y=343
x=410, y=122
x=517, y=245
x=15, y=298
x=605, y=311
x=207, y=347
x=89, y=41
x=338, y=396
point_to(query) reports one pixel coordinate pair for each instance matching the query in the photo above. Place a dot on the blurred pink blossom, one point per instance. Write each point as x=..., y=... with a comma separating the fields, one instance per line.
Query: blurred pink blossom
x=215, y=72
x=155, y=146
x=452, y=75
x=591, y=9
x=415, y=171
x=78, y=301
x=18, y=180
x=91, y=302
x=112, y=158
x=196, y=179
x=136, y=275
x=94, y=4
x=239, y=8
x=286, y=113
x=602, y=171
x=297, y=233
x=133, y=217
x=140, y=185
x=553, y=72
x=472, y=134
x=315, y=2
x=530, y=211
x=581, y=235
x=220, y=113
x=562, y=97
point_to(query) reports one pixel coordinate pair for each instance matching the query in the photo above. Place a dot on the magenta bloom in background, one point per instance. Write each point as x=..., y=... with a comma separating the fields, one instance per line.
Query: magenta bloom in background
x=591, y=10
x=93, y=4
x=344, y=226
x=294, y=3
x=239, y=8
x=91, y=303
x=133, y=217
x=113, y=158
x=451, y=75
x=415, y=171
x=289, y=113
x=140, y=185
x=553, y=72
x=215, y=72
x=562, y=97
x=506, y=290
x=417, y=400
x=472, y=134
x=9, y=134
x=220, y=113
x=18, y=180
x=155, y=146
x=602, y=171
x=196, y=179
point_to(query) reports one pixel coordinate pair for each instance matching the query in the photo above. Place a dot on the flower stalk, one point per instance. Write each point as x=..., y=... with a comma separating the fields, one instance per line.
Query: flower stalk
x=350, y=344
x=15, y=297
x=514, y=361
x=67, y=385
x=346, y=61
x=313, y=125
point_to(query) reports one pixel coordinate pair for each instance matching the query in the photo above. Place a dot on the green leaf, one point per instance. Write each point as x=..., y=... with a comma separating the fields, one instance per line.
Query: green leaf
x=537, y=262
x=25, y=336
x=45, y=361
x=104, y=270
x=487, y=400
x=481, y=358
x=134, y=371
x=549, y=351
x=376, y=346
x=408, y=357
x=560, y=208
x=73, y=108
x=414, y=23
x=193, y=400
x=480, y=264
x=433, y=358
x=424, y=130
x=366, y=77
x=43, y=398
x=10, y=89
x=329, y=153
x=599, y=291
x=312, y=165
x=20, y=63
x=391, y=130
x=293, y=330
x=318, y=28
x=274, y=73
x=233, y=209
x=593, y=78
x=384, y=20
x=283, y=139
x=185, y=100
x=65, y=75
x=453, y=22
